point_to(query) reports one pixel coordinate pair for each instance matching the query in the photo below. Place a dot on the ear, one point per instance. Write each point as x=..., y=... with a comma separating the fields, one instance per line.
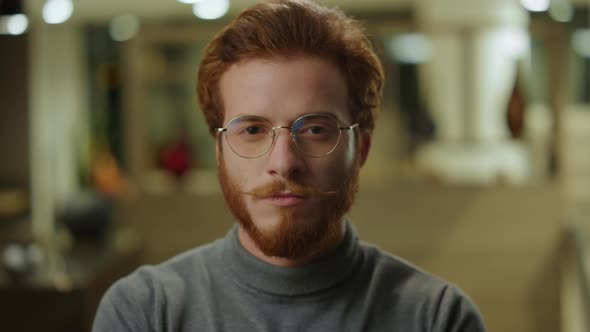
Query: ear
x=365, y=146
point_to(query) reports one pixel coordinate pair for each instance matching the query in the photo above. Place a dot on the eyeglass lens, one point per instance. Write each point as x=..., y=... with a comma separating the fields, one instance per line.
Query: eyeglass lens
x=313, y=135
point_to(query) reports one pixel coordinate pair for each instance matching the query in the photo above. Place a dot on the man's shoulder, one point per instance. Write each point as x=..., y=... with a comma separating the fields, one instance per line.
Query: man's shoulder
x=400, y=272
x=172, y=276
x=188, y=265
x=435, y=300
x=198, y=256
x=142, y=297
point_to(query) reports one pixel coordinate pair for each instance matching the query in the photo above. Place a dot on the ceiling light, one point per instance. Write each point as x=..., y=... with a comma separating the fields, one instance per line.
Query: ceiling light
x=17, y=24
x=123, y=27
x=535, y=5
x=411, y=48
x=561, y=10
x=57, y=11
x=581, y=42
x=210, y=9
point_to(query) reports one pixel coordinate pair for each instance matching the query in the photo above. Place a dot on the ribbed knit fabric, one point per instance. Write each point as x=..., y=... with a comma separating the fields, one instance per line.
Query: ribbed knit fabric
x=222, y=287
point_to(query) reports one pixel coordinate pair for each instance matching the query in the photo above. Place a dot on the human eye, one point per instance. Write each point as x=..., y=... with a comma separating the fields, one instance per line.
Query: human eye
x=253, y=130
x=317, y=133
x=316, y=128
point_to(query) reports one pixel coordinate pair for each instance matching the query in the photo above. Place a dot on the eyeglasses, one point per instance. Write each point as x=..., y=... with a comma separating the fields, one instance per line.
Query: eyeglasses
x=314, y=135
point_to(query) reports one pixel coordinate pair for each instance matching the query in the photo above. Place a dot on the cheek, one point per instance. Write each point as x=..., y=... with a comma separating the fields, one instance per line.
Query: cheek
x=232, y=169
x=338, y=165
x=349, y=149
x=331, y=171
x=242, y=172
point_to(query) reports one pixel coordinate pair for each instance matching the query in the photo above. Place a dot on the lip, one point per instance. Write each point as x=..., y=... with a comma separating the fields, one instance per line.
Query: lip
x=285, y=199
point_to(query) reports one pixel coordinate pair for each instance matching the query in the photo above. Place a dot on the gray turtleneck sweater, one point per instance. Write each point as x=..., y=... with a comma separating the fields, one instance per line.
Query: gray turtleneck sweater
x=221, y=287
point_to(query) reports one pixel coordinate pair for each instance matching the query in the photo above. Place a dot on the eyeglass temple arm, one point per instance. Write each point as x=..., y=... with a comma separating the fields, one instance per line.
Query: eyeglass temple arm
x=220, y=130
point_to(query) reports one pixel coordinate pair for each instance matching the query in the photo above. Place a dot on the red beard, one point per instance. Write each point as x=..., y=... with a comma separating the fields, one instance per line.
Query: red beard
x=293, y=239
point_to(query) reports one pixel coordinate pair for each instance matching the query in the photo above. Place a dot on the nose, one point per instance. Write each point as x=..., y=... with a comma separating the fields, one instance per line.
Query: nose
x=284, y=160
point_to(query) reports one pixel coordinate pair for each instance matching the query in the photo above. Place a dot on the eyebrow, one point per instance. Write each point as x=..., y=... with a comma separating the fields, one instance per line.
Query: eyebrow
x=322, y=112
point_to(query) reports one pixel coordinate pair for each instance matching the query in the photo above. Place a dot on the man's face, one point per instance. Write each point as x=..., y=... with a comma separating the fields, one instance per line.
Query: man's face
x=289, y=204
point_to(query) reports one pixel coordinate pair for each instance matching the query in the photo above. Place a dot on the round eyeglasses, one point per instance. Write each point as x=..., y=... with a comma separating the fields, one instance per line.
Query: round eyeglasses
x=314, y=135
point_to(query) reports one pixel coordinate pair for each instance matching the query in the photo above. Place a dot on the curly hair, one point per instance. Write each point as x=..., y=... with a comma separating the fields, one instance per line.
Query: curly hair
x=280, y=29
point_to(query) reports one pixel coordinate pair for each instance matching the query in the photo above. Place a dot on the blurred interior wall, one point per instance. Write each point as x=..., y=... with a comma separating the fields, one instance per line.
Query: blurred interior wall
x=477, y=45
x=14, y=123
x=58, y=129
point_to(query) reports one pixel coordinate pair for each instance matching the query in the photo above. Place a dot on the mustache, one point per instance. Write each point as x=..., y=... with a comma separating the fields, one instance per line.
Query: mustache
x=292, y=187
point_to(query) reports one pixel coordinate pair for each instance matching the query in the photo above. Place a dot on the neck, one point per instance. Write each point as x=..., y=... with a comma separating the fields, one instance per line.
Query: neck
x=250, y=246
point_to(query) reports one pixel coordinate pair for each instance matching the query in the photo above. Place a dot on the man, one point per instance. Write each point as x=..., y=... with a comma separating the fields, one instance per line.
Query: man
x=289, y=90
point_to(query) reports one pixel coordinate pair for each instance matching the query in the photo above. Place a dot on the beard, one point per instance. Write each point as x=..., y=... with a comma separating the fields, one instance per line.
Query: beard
x=292, y=238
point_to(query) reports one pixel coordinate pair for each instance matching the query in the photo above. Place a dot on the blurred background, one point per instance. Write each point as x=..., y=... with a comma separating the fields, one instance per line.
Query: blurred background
x=479, y=171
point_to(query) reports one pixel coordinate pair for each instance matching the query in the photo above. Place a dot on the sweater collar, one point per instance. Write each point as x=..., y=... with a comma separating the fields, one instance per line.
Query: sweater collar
x=291, y=281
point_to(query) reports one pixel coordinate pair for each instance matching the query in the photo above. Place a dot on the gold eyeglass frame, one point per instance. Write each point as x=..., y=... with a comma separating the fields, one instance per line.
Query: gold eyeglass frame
x=291, y=134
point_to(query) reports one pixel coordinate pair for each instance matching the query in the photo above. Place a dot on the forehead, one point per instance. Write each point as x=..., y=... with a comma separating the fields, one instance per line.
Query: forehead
x=285, y=89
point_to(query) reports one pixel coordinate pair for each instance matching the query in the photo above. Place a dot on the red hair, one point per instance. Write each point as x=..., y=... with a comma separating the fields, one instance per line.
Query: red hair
x=292, y=28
